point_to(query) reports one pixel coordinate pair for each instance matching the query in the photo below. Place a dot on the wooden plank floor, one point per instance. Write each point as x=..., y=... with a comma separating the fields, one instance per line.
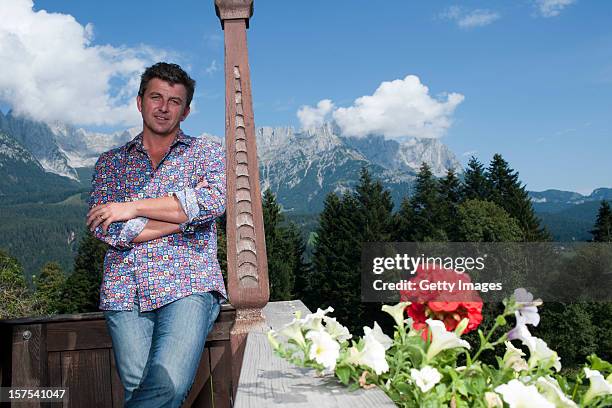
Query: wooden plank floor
x=269, y=381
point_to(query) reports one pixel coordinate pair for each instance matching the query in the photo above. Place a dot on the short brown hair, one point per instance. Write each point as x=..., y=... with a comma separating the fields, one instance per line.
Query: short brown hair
x=171, y=73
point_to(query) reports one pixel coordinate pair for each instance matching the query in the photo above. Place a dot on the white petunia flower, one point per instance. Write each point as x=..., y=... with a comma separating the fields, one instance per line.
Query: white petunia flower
x=441, y=339
x=378, y=334
x=312, y=321
x=272, y=339
x=324, y=349
x=293, y=331
x=520, y=332
x=549, y=387
x=540, y=353
x=518, y=395
x=493, y=400
x=335, y=329
x=373, y=353
x=397, y=312
x=599, y=385
x=513, y=358
x=354, y=356
x=425, y=378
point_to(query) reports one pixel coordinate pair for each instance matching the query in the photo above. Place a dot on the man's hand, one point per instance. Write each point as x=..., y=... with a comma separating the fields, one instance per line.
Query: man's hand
x=108, y=213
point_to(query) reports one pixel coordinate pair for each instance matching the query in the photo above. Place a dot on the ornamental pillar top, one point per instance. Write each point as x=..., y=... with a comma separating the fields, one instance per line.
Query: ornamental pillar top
x=234, y=10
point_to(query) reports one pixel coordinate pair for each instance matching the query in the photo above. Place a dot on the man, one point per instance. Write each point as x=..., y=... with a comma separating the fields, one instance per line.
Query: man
x=155, y=201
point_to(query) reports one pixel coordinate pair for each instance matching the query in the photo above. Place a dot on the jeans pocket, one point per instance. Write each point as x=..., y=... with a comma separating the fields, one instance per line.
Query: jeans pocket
x=214, y=308
x=216, y=299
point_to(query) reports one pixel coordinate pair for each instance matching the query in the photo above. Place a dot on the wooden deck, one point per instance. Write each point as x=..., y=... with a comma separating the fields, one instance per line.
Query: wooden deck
x=269, y=381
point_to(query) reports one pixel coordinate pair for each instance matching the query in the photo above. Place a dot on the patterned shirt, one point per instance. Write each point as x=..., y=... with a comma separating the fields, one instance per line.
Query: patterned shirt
x=165, y=269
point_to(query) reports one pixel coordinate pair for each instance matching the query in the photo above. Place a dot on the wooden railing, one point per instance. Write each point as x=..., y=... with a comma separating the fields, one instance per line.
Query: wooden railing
x=75, y=352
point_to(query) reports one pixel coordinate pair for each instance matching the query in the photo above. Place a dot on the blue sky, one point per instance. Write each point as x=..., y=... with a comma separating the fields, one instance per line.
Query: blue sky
x=531, y=79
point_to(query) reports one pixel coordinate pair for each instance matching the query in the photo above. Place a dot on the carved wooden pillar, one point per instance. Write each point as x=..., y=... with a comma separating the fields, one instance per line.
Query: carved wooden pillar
x=247, y=265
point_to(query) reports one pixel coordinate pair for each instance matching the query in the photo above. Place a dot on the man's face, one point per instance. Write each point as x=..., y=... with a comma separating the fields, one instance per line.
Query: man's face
x=163, y=106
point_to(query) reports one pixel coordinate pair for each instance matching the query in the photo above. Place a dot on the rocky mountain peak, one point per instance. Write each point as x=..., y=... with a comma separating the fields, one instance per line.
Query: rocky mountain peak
x=39, y=140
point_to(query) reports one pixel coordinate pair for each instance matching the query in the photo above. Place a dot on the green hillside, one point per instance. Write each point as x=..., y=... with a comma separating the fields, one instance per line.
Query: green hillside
x=572, y=223
x=36, y=233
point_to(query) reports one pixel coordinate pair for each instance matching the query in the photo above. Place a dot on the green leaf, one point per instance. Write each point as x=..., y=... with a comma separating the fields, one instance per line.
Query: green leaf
x=599, y=364
x=344, y=374
x=482, y=337
x=461, y=387
x=353, y=386
x=404, y=388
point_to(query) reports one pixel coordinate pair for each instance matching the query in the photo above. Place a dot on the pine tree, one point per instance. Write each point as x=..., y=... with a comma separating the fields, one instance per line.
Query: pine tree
x=278, y=248
x=503, y=182
x=450, y=198
x=16, y=300
x=508, y=193
x=343, y=272
x=475, y=183
x=335, y=280
x=375, y=220
x=49, y=286
x=82, y=289
x=325, y=254
x=602, y=230
x=301, y=269
x=403, y=230
x=375, y=209
x=345, y=224
x=530, y=223
x=426, y=213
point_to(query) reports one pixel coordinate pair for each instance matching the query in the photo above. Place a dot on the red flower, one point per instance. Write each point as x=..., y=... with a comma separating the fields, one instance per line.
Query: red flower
x=445, y=302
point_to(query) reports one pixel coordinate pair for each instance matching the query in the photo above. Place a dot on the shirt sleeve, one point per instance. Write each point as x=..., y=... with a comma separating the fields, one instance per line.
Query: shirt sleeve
x=104, y=189
x=203, y=205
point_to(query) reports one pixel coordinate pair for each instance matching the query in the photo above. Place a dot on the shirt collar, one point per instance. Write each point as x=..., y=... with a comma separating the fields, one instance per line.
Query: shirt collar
x=180, y=138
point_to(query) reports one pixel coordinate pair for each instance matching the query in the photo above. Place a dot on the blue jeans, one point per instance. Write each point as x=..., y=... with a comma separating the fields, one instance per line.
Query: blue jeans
x=157, y=353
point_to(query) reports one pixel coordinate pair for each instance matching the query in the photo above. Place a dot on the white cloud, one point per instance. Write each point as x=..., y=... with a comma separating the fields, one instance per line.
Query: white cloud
x=469, y=19
x=51, y=71
x=552, y=8
x=214, y=138
x=212, y=68
x=469, y=153
x=397, y=109
x=314, y=117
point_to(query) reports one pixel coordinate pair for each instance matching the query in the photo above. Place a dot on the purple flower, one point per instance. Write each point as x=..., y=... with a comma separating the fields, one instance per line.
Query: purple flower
x=527, y=307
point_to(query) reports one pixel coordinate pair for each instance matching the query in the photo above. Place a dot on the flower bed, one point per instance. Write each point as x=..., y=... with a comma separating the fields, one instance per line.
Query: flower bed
x=427, y=364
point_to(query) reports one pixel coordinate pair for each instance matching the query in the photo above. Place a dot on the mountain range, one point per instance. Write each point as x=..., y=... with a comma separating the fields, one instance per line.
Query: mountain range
x=300, y=166
x=558, y=200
